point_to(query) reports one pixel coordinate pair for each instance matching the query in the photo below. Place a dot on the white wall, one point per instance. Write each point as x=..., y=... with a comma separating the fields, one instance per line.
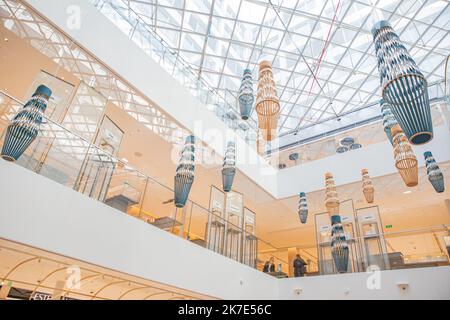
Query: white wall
x=41, y=213
x=424, y=283
x=38, y=212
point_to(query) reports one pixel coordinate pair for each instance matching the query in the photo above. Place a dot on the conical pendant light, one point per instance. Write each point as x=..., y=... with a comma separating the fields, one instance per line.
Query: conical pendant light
x=303, y=208
x=246, y=95
x=405, y=159
x=229, y=167
x=388, y=119
x=434, y=173
x=404, y=87
x=24, y=127
x=267, y=102
x=331, y=196
x=367, y=186
x=184, y=176
x=339, y=245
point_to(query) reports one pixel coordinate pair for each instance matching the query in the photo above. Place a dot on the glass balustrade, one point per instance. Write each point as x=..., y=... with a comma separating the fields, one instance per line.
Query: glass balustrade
x=70, y=160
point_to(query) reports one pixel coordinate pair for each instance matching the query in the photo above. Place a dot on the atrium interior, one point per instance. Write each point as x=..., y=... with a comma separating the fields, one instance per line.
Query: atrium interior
x=212, y=149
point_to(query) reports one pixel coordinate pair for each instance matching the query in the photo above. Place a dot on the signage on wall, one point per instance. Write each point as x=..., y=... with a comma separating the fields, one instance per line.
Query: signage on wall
x=235, y=209
x=388, y=226
x=45, y=296
x=250, y=219
x=368, y=217
x=346, y=219
x=110, y=137
x=217, y=205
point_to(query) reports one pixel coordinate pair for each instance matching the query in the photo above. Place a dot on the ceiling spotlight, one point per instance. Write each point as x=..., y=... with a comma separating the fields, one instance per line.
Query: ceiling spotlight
x=6, y=39
x=407, y=192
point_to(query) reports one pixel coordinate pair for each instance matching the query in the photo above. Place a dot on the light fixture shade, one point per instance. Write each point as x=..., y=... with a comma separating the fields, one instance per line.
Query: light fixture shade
x=404, y=87
x=184, y=176
x=24, y=127
x=388, y=119
x=339, y=245
x=246, y=95
x=331, y=195
x=294, y=156
x=435, y=175
x=405, y=159
x=267, y=102
x=347, y=141
x=341, y=149
x=303, y=208
x=355, y=146
x=367, y=186
x=229, y=167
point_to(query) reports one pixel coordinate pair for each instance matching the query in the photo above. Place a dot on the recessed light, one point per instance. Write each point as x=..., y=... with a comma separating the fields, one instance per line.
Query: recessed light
x=407, y=192
x=6, y=39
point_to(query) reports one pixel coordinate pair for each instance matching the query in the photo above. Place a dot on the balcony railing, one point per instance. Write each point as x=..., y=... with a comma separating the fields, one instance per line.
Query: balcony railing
x=74, y=162
x=70, y=160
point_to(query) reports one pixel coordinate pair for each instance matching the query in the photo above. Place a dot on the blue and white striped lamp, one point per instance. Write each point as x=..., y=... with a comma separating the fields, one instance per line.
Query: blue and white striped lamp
x=229, y=167
x=404, y=87
x=24, y=127
x=435, y=175
x=184, y=176
x=339, y=244
x=388, y=119
x=246, y=95
x=303, y=207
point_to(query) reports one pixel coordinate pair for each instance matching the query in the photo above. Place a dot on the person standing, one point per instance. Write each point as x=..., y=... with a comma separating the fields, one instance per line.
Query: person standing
x=299, y=266
x=266, y=267
x=272, y=265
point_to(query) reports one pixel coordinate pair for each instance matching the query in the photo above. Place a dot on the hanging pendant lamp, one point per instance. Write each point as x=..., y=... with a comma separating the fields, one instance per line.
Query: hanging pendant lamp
x=184, y=176
x=435, y=175
x=404, y=87
x=267, y=102
x=303, y=208
x=229, y=167
x=405, y=159
x=331, y=196
x=339, y=244
x=246, y=95
x=24, y=127
x=388, y=119
x=367, y=186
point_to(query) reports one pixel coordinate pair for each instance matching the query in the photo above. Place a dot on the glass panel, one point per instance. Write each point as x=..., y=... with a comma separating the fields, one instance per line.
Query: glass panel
x=85, y=112
x=109, y=136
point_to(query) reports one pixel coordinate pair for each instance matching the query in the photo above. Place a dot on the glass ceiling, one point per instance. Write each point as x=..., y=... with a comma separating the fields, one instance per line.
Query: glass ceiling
x=322, y=52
